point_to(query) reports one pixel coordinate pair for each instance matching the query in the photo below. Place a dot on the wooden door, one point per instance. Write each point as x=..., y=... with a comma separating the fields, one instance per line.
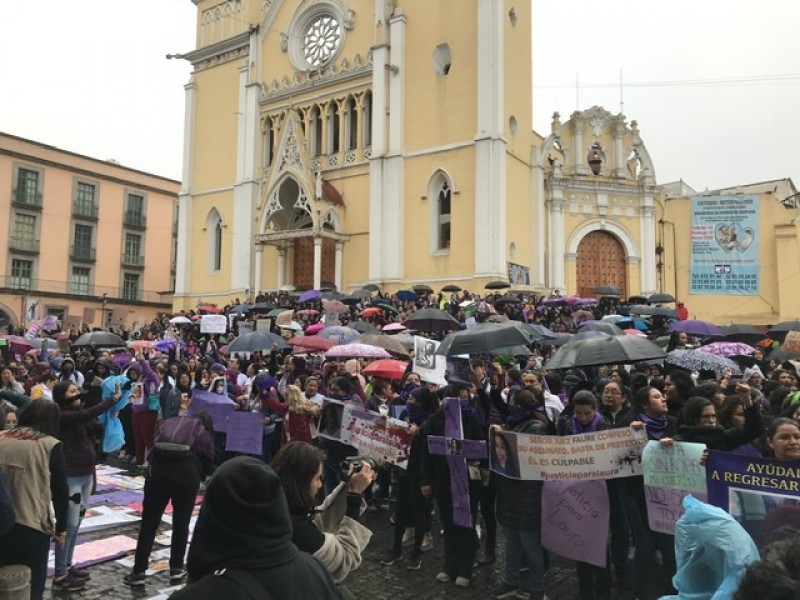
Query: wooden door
x=304, y=262
x=601, y=261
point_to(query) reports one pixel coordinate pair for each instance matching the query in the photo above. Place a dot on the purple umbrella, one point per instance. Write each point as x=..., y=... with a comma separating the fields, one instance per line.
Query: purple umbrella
x=555, y=302
x=309, y=295
x=696, y=327
x=728, y=349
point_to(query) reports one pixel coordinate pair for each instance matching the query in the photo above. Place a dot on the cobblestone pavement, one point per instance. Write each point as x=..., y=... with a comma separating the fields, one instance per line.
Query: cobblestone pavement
x=371, y=581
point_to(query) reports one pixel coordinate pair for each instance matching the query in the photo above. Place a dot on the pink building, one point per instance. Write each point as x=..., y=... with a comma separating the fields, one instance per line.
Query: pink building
x=88, y=240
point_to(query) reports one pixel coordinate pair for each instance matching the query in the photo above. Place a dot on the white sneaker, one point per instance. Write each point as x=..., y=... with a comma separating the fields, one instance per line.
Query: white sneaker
x=443, y=577
x=462, y=582
x=427, y=543
x=408, y=537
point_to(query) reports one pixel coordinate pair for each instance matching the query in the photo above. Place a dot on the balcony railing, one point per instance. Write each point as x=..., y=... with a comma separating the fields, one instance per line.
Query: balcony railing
x=83, y=211
x=133, y=260
x=83, y=254
x=26, y=199
x=24, y=245
x=134, y=219
x=28, y=285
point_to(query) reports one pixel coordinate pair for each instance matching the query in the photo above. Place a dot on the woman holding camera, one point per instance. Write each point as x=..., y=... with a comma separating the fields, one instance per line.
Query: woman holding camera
x=331, y=532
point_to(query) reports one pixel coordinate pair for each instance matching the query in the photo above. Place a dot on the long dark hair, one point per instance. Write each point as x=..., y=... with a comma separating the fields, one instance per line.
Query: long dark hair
x=42, y=416
x=296, y=464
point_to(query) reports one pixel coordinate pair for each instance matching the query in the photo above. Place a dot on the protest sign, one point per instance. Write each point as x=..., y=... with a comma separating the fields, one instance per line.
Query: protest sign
x=218, y=406
x=427, y=364
x=670, y=473
x=119, y=317
x=575, y=520
x=245, y=327
x=245, y=433
x=213, y=324
x=88, y=315
x=600, y=455
x=72, y=322
x=762, y=494
x=263, y=324
x=375, y=435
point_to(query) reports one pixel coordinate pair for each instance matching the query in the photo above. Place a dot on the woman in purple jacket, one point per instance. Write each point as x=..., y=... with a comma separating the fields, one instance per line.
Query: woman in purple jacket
x=146, y=384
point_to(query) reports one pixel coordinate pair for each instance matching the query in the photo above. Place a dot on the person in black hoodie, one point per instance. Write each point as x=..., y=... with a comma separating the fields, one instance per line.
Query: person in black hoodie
x=242, y=545
x=700, y=423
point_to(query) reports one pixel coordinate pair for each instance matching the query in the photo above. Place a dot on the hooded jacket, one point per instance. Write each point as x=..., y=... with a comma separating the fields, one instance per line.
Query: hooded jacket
x=244, y=524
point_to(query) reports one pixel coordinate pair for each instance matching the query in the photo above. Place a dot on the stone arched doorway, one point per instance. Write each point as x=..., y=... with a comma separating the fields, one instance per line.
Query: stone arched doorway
x=601, y=260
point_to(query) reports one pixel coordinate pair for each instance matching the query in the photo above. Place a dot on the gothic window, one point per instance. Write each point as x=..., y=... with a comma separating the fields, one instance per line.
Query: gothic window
x=316, y=131
x=334, y=129
x=443, y=212
x=367, y=120
x=321, y=40
x=351, y=120
x=214, y=232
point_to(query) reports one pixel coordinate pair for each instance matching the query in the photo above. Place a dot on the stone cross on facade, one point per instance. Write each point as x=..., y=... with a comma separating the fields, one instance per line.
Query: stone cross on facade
x=458, y=451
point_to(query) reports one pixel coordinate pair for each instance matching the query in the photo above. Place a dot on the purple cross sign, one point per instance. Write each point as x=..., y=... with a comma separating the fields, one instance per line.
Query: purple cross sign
x=458, y=451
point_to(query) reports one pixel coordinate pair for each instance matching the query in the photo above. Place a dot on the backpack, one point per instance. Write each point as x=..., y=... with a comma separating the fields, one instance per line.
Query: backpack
x=177, y=435
x=7, y=514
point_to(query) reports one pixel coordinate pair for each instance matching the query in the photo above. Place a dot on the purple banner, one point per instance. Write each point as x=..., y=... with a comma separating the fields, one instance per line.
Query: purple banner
x=218, y=406
x=762, y=494
x=575, y=520
x=245, y=433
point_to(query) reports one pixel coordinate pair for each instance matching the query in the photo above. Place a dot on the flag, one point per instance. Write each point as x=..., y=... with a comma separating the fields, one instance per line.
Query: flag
x=49, y=323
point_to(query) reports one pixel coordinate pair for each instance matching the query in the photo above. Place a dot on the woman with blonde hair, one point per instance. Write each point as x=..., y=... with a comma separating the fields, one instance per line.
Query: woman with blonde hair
x=298, y=413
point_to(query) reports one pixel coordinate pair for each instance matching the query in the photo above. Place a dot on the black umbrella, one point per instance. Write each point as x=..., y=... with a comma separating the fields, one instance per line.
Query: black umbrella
x=661, y=298
x=431, y=319
x=330, y=295
x=451, y=288
x=497, y=285
x=605, y=350
x=241, y=309
x=422, y=289
x=257, y=340
x=654, y=311
x=742, y=332
x=508, y=299
x=562, y=338
x=327, y=286
x=603, y=327
x=637, y=300
x=607, y=290
x=779, y=331
x=104, y=339
x=485, y=338
x=351, y=299
x=371, y=287
x=363, y=327
x=539, y=332
x=780, y=355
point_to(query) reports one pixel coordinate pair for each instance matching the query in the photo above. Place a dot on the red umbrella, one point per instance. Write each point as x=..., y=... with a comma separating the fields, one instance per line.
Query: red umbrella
x=209, y=308
x=307, y=312
x=387, y=369
x=370, y=312
x=312, y=342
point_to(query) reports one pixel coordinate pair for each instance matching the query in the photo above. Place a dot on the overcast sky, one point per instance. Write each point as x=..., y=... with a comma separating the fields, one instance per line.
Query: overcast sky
x=91, y=77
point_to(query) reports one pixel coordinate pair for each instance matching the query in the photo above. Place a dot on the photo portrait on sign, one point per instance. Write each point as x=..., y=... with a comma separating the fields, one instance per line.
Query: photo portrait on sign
x=426, y=354
x=330, y=419
x=505, y=459
x=765, y=516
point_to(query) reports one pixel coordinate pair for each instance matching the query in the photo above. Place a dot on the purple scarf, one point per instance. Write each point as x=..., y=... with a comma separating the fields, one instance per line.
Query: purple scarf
x=656, y=428
x=416, y=413
x=578, y=427
x=517, y=415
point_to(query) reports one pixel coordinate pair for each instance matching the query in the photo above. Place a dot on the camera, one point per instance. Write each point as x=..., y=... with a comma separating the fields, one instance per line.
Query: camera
x=358, y=463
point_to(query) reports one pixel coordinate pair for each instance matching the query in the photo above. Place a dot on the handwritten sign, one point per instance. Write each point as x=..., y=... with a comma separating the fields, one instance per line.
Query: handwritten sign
x=373, y=434
x=245, y=433
x=600, y=455
x=671, y=473
x=575, y=520
x=213, y=324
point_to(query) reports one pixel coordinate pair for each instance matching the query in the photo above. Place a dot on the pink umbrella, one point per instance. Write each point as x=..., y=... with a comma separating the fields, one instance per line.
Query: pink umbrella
x=17, y=344
x=394, y=327
x=728, y=349
x=357, y=351
x=315, y=328
x=635, y=332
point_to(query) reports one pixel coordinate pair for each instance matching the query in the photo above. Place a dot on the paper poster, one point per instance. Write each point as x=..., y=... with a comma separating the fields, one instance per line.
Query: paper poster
x=375, y=435
x=670, y=474
x=263, y=324
x=601, y=455
x=575, y=520
x=213, y=324
x=428, y=365
x=762, y=494
x=245, y=433
x=72, y=322
x=725, y=256
x=245, y=327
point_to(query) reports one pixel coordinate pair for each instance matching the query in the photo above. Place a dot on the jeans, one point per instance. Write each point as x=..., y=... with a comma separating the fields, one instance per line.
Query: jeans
x=82, y=485
x=176, y=480
x=524, y=547
x=25, y=546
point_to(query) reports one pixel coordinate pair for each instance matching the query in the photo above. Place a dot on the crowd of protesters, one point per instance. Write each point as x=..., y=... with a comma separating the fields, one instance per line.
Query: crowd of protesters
x=56, y=396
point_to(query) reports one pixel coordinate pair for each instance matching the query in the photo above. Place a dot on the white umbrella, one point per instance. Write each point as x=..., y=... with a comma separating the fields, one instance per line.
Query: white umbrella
x=180, y=320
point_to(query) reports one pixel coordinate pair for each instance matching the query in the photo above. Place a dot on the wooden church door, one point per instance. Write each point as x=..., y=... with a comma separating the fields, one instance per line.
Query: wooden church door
x=601, y=260
x=304, y=262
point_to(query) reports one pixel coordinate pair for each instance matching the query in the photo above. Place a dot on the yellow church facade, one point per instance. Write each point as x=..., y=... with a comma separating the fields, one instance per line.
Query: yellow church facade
x=346, y=142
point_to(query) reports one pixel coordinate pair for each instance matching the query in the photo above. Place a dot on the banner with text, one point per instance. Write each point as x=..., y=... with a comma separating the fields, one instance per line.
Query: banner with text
x=670, y=473
x=725, y=255
x=601, y=455
x=762, y=494
x=375, y=435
